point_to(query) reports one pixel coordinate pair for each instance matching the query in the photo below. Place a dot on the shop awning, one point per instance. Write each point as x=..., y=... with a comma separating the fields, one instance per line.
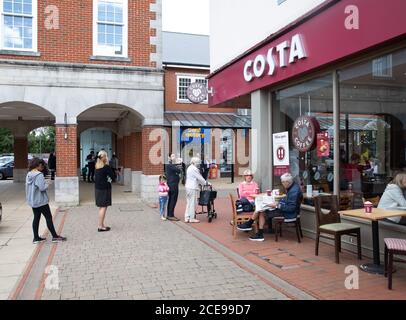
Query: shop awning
x=207, y=120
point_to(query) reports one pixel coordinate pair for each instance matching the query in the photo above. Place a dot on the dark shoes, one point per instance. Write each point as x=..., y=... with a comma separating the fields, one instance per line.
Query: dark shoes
x=58, y=239
x=38, y=240
x=104, y=229
x=257, y=237
x=246, y=226
x=172, y=219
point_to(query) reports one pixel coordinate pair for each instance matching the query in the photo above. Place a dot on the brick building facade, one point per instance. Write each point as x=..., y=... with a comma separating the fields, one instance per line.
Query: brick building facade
x=226, y=130
x=80, y=65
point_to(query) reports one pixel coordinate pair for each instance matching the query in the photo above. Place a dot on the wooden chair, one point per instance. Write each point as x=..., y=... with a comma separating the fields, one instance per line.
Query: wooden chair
x=329, y=225
x=238, y=218
x=278, y=222
x=392, y=247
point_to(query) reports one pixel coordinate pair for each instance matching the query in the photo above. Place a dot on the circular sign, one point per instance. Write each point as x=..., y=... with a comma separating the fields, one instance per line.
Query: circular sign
x=304, y=133
x=197, y=92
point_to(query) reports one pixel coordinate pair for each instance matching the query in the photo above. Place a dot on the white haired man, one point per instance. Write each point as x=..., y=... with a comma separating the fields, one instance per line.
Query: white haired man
x=193, y=179
x=287, y=208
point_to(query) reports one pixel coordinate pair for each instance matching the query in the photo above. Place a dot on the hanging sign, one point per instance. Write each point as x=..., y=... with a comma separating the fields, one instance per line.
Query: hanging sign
x=197, y=92
x=304, y=133
x=323, y=145
x=280, y=153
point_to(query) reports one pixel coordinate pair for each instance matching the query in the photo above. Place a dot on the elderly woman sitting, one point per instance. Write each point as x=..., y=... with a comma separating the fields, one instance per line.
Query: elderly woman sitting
x=287, y=208
x=245, y=190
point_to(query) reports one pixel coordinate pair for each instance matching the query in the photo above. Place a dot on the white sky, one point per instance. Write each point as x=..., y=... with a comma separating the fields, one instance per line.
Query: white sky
x=187, y=16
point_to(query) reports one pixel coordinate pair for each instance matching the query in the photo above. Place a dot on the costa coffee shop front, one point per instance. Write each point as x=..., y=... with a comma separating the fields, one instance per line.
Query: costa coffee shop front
x=335, y=80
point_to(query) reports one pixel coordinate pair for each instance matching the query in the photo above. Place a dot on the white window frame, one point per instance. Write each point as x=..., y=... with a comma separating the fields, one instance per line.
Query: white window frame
x=96, y=50
x=34, y=17
x=193, y=79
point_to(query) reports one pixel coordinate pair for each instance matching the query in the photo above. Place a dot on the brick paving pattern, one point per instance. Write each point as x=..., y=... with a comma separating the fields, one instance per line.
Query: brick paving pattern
x=145, y=258
x=297, y=264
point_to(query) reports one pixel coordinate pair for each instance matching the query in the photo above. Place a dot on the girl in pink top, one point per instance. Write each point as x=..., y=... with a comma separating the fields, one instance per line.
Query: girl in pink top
x=248, y=187
x=163, y=190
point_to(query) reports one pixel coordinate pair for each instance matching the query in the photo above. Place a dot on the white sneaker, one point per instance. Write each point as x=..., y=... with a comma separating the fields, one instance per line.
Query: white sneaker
x=163, y=219
x=194, y=221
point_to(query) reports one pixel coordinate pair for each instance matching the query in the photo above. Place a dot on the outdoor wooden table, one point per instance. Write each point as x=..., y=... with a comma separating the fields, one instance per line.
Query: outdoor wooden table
x=374, y=217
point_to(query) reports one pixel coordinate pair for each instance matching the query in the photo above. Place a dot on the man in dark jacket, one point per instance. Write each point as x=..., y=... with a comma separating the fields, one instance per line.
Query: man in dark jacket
x=288, y=208
x=52, y=165
x=173, y=172
x=91, y=164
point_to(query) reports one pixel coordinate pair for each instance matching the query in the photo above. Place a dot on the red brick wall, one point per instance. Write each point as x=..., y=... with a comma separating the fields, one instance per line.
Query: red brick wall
x=136, y=151
x=127, y=152
x=149, y=168
x=73, y=43
x=66, y=151
x=120, y=151
x=20, y=152
x=171, y=92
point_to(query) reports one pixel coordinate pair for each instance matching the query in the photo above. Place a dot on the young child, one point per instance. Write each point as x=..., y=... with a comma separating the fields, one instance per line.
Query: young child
x=163, y=190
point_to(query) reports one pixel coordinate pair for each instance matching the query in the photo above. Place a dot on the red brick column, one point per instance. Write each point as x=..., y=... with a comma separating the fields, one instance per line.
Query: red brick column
x=120, y=151
x=20, y=152
x=152, y=145
x=127, y=152
x=20, y=158
x=66, y=151
x=136, y=151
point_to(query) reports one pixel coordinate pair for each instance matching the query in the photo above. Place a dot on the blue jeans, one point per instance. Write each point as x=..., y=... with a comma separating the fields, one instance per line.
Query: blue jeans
x=162, y=205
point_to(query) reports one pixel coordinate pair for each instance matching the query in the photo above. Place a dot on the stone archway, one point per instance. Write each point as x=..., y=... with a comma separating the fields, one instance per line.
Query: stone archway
x=21, y=118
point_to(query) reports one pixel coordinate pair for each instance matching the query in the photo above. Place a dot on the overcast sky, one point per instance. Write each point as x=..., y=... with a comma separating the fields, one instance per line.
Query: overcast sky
x=187, y=16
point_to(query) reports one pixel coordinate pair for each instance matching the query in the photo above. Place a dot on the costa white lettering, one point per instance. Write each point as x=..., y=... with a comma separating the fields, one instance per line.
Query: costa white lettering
x=259, y=66
x=248, y=75
x=296, y=49
x=281, y=49
x=256, y=68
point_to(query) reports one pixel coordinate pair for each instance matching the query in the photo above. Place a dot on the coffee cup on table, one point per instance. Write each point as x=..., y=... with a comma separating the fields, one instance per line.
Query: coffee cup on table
x=368, y=207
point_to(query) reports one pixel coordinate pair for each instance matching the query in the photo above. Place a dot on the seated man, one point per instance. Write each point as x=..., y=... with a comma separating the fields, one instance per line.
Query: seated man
x=286, y=208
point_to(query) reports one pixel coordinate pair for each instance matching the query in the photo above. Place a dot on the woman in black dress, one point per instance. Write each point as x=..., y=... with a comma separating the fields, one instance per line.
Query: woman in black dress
x=103, y=178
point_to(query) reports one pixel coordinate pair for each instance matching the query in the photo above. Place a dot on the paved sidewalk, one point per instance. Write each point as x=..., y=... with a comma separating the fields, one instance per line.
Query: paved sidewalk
x=144, y=258
x=296, y=263
x=16, y=245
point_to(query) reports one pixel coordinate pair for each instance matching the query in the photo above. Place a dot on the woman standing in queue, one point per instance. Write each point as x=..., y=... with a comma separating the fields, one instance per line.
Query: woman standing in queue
x=37, y=198
x=104, y=175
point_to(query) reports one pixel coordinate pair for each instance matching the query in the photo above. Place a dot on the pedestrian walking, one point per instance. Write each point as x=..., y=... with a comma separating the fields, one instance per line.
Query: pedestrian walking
x=114, y=166
x=52, y=164
x=37, y=198
x=163, y=190
x=193, y=179
x=173, y=173
x=103, y=178
x=205, y=168
x=91, y=163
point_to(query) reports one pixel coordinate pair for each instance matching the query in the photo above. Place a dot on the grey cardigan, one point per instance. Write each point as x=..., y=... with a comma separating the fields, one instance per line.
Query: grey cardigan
x=392, y=198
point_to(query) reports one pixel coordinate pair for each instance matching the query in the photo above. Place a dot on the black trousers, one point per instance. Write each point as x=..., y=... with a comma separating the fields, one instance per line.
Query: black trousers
x=90, y=175
x=270, y=214
x=46, y=211
x=172, y=199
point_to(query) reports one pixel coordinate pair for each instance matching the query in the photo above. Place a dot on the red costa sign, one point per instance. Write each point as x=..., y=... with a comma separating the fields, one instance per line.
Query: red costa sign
x=304, y=133
x=316, y=42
